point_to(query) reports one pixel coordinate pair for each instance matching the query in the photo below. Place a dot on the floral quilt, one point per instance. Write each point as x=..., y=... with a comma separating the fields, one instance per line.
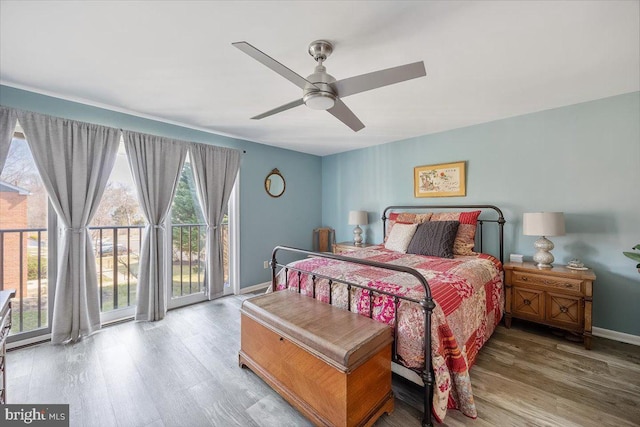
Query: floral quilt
x=469, y=296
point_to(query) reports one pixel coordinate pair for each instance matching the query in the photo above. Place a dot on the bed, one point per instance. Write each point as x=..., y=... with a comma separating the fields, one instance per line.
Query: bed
x=453, y=300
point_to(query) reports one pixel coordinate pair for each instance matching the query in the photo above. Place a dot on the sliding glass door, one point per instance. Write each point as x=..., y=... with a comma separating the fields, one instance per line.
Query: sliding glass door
x=28, y=243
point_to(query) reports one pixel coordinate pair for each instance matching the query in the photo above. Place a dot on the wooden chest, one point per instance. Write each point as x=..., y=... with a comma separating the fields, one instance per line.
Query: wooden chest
x=334, y=366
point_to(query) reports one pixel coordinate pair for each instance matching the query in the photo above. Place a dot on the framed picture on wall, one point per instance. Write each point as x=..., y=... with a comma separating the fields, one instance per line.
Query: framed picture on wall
x=443, y=180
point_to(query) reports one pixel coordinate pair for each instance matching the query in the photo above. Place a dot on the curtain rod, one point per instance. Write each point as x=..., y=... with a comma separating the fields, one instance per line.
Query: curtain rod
x=22, y=135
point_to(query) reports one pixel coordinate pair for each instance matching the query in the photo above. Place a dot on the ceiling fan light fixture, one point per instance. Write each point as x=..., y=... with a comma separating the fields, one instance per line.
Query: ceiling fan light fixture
x=319, y=100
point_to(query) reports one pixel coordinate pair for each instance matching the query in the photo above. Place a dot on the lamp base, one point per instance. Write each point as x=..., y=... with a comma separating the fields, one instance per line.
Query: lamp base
x=357, y=236
x=543, y=257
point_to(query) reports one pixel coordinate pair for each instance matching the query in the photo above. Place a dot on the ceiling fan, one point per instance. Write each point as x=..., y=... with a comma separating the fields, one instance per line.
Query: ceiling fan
x=321, y=91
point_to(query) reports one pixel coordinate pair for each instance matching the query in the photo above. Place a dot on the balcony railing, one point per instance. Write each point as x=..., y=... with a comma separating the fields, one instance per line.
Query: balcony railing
x=188, y=258
x=23, y=267
x=24, y=261
x=117, y=251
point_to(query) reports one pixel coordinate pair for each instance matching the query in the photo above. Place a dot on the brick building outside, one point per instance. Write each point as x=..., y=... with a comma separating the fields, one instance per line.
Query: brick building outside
x=13, y=215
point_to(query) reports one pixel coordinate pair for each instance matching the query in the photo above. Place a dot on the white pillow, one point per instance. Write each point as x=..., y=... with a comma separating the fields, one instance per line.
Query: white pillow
x=400, y=237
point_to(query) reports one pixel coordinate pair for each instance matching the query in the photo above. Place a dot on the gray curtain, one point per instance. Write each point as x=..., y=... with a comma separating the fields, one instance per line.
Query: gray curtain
x=8, y=118
x=156, y=163
x=74, y=160
x=215, y=170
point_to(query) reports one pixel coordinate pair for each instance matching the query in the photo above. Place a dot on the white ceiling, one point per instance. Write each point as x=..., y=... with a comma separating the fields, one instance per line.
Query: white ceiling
x=173, y=60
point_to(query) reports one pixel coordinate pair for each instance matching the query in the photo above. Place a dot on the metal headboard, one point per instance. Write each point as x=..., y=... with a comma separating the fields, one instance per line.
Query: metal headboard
x=500, y=220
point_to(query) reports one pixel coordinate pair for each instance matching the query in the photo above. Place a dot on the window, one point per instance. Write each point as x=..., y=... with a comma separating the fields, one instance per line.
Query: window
x=24, y=251
x=188, y=233
x=116, y=231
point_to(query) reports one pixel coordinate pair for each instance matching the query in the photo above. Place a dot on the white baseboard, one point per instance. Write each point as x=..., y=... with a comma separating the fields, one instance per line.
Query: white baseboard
x=255, y=288
x=616, y=336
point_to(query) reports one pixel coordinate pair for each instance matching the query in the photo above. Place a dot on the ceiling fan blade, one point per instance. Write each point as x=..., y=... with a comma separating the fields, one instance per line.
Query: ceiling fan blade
x=279, y=109
x=376, y=79
x=268, y=61
x=341, y=112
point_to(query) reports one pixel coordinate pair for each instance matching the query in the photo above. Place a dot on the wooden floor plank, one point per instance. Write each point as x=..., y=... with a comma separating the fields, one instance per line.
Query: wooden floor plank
x=226, y=404
x=128, y=394
x=270, y=411
x=184, y=370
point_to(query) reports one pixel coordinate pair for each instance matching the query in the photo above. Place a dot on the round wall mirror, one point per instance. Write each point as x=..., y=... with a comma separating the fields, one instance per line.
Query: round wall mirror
x=274, y=183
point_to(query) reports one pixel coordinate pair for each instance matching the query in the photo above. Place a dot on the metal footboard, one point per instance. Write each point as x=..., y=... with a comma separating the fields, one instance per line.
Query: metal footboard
x=427, y=304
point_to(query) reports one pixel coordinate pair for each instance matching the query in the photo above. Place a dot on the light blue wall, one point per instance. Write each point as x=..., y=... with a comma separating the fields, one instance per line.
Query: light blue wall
x=264, y=221
x=583, y=160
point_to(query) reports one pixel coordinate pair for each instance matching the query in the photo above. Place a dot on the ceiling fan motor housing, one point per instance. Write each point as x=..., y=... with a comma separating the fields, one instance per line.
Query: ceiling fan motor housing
x=319, y=95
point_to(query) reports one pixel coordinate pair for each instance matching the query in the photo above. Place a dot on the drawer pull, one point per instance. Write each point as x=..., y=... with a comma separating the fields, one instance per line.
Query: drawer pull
x=563, y=309
x=281, y=339
x=568, y=285
x=526, y=302
x=524, y=279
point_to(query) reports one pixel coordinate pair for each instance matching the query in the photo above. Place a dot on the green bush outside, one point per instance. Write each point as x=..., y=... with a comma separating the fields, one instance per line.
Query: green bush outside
x=32, y=268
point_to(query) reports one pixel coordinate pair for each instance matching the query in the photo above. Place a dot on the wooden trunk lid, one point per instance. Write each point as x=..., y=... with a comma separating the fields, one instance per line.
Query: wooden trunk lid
x=341, y=338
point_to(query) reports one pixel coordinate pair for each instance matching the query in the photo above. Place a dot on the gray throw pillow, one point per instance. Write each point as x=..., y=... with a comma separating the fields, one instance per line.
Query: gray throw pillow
x=434, y=238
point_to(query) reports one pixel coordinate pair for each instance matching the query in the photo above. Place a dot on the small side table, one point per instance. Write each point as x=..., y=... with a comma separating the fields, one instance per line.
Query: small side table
x=339, y=248
x=558, y=297
x=5, y=327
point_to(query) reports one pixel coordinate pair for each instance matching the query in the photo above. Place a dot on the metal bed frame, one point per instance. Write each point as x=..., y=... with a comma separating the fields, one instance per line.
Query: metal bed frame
x=426, y=303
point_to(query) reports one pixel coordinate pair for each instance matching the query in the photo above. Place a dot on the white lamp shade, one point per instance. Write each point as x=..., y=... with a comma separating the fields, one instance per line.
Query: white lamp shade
x=358, y=218
x=543, y=224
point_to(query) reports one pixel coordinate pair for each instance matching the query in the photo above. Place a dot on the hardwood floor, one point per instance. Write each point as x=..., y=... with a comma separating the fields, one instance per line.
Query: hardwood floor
x=183, y=371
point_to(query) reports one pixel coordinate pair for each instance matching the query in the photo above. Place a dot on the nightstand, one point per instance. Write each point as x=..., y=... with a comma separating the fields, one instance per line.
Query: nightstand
x=339, y=248
x=558, y=297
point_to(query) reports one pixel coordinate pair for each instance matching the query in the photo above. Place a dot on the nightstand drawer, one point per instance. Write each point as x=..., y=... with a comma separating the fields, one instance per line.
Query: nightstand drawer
x=546, y=281
x=528, y=303
x=565, y=310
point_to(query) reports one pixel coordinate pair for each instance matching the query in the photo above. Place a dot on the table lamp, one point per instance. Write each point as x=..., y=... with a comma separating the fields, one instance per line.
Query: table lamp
x=358, y=218
x=543, y=224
